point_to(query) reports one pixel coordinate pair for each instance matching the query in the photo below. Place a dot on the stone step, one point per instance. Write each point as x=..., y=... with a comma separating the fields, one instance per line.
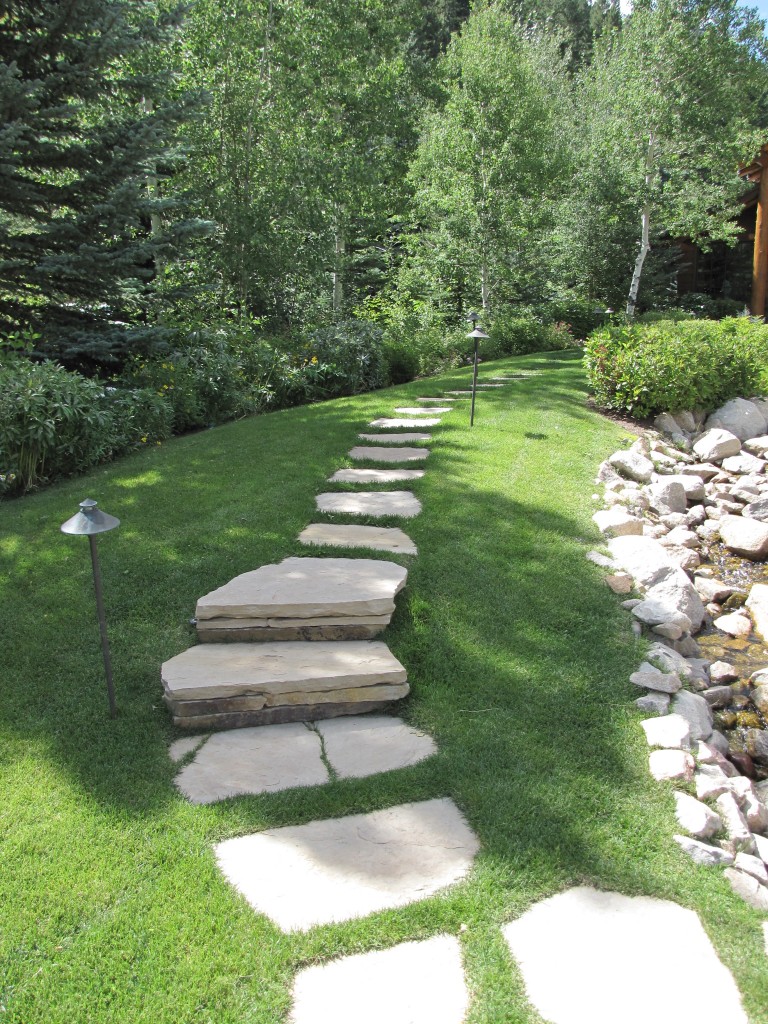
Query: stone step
x=343, y=535
x=392, y=423
x=231, y=685
x=391, y=438
x=438, y=399
x=374, y=454
x=303, y=599
x=414, y=410
x=370, y=503
x=374, y=476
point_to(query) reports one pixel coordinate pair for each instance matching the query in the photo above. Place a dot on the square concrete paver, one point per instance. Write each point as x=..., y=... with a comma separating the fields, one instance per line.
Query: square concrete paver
x=366, y=744
x=591, y=957
x=370, y=503
x=413, y=983
x=259, y=760
x=346, y=535
x=344, y=868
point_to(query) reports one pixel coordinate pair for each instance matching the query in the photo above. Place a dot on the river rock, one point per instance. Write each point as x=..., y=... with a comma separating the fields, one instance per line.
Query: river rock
x=752, y=807
x=751, y=865
x=734, y=624
x=759, y=697
x=735, y=824
x=671, y=765
x=757, y=509
x=632, y=466
x=739, y=416
x=666, y=496
x=716, y=444
x=743, y=463
x=695, y=817
x=757, y=445
x=722, y=672
x=616, y=522
x=750, y=890
x=710, y=589
x=757, y=604
x=676, y=592
x=653, y=679
x=695, y=710
x=654, y=613
x=686, y=558
x=756, y=741
x=711, y=781
x=669, y=660
x=657, y=703
x=703, y=853
x=681, y=536
x=747, y=537
x=669, y=731
x=620, y=583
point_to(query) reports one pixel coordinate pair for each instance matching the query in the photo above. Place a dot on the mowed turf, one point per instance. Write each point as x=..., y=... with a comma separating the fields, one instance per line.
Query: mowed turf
x=518, y=656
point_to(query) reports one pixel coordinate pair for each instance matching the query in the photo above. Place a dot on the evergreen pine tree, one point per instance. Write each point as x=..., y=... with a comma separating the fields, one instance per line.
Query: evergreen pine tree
x=88, y=132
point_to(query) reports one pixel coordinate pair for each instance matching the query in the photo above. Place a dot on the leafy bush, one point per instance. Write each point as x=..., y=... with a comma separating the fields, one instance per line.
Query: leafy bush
x=514, y=334
x=582, y=316
x=644, y=369
x=353, y=355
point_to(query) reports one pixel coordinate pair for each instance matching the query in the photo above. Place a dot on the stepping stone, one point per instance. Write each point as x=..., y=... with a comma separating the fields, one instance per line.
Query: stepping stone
x=370, y=503
x=389, y=454
x=490, y=385
x=344, y=868
x=391, y=438
x=458, y=392
x=366, y=745
x=254, y=761
x=179, y=749
x=234, y=685
x=413, y=983
x=377, y=538
x=597, y=943
x=396, y=424
x=374, y=476
x=442, y=399
x=303, y=599
x=412, y=410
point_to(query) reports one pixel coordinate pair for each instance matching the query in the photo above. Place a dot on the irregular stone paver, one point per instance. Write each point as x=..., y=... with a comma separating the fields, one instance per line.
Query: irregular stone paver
x=299, y=588
x=344, y=535
x=414, y=410
x=389, y=454
x=435, y=399
x=580, y=954
x=390, y=423
x=393, y=438
x=260, y=760
x=179, y=749
x=374, y=476
x=364, y=745
x=413, y=983
x=458, y=392
x=370, y=503
x=344, y=868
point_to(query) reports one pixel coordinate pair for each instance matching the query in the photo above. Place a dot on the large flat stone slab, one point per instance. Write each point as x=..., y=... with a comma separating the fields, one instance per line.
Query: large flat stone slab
x=366, y=745
x=440, y=399
x=414, y=410
x=410, y=437
x=274, y=672
x=378, y=454
x=413, y=983
x=253, y=761
x=374, y=476
x=308, y=588
x=344, y=868
x=345, y=535
x=586, y=958
x=392, y=423
x=370, y=503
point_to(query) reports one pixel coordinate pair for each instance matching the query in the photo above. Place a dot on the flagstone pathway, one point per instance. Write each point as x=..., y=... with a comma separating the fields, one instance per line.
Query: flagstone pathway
x=313, y=671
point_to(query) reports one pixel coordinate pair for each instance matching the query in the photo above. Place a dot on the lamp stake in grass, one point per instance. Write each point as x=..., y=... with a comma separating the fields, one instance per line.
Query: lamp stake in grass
x=89, y=522
x=477, y=333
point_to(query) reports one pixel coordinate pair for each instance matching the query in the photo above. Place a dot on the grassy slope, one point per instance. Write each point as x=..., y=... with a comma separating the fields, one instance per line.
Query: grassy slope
x=518, y=658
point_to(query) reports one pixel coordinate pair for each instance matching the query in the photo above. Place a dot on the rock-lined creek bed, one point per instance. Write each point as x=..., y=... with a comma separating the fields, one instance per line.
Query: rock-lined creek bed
x=685, y=520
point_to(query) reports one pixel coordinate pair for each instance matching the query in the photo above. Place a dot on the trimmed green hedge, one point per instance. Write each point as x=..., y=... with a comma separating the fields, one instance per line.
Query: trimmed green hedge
x=644, y=369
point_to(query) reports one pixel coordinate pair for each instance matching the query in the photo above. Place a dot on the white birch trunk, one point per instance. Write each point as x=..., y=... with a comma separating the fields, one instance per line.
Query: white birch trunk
x=645, y=242
x=484, y=289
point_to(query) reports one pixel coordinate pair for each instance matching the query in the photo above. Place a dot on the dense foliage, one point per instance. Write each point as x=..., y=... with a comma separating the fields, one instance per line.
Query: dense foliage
x=673, y=365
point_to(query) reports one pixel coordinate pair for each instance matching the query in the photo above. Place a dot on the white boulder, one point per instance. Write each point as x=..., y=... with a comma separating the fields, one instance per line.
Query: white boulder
x=739, y=416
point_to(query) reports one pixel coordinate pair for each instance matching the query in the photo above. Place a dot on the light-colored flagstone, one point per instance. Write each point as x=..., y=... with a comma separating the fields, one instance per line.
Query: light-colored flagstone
x=582, y=953
x=414, y=410
x=330, y=871
x=413, y=983
x=179, y=749
x=308, y=588
x=259, y=760
x=374, y=476
x=458, y=392
x=367, y=744
x=372, y=454
x=370, y=503
x=393, y=423
x=412, y=437
x=434, y=399
x=345, y=535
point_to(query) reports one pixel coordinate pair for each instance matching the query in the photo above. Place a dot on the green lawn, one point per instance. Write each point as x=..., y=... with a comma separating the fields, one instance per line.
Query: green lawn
x=518, y=656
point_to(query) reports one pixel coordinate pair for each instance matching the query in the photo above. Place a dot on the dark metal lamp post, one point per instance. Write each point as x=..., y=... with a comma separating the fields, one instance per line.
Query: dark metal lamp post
x=477, y=333
x=89, y=522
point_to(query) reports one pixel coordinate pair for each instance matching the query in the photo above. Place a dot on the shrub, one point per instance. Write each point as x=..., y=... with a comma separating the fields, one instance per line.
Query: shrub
x=644, y=369
x=514, y=334
x=352, y=354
